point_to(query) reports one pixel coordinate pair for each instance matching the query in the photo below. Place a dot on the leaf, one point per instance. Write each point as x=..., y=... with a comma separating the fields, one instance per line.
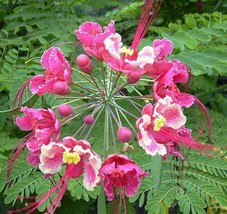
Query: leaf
x=101, y=207
x=156, y=169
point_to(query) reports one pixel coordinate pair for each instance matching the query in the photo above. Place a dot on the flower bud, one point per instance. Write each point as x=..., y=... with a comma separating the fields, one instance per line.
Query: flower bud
x=88, y=120
x=84, y=63
x=65, y=110
x=61, y=88
x=124, y=134
x=133, y=77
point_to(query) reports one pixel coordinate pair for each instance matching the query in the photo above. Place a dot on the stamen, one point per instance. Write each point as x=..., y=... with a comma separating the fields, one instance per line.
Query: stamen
x=71, y=157
x=159, y=123
x=126, y=51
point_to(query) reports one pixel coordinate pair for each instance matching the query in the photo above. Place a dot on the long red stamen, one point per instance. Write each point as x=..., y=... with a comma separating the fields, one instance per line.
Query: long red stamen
x=189, y=142
x=15, y=154
x=61, y=185
x=146, y=19
x=207, y=115
x=19, y=95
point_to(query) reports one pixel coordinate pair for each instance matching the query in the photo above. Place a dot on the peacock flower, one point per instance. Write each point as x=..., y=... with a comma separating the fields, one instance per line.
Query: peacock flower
x=118, y=171
x=162, y=48
x=57, y=70
x=165, y=84
x=78, y=158
x=126, y=60
x=115, y=54
x=161, y=129
x=44, y=126
x=71, y=152
x=91, y=36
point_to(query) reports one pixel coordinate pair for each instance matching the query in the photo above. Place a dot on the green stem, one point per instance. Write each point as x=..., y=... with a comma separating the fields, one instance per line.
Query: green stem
x=144, y=97
x=101, y=205
x=114, y=117
x=117, y=91
x=103, y=75
x=77, y=114
x=119, y=107
x=114, y=84
x=92, y=126
x=106, y=132
x=113, y=133
x=83, y=87
x=84, y=96
x=128, y=121
x=92, y=77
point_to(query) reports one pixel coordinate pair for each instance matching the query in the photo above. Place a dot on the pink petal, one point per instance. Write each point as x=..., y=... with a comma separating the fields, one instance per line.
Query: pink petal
x=51, y=158
x=133, y=183
x=89, y=176
x=174, y=116
x=77, y=170
x=109, y=188
x=162, y=47
x=33, y=158
x=24, y=123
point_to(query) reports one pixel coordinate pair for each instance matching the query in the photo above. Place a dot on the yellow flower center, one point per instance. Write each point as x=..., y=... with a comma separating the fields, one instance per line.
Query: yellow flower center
x=127, y=51
x=71, y=157
x=159, y=123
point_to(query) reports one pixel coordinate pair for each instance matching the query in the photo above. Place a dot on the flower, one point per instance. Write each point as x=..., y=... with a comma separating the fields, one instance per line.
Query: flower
x=161, y=129
x=165, y=84
x=91, y=36
x=78, y=158
x=120, y=172
x=71, y=152
x=126, y=60
x=57, y=70
x=44, y=126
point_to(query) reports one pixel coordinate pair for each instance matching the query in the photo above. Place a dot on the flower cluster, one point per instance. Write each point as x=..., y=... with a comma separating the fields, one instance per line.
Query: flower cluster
x=103, y=91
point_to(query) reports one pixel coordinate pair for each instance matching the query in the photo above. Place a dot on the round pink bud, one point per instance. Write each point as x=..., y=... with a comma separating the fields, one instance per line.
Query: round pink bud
x=87, y=69
x=82, y=60
x=88, y=120
x=133, y=77
x=61, y=88
x=124, y=134
x=65, y=110
x=84, y=63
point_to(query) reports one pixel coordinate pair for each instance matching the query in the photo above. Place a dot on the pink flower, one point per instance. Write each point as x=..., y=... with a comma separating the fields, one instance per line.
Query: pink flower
x=44, y=126
x=126, y=60
x=78, y=158
x=71, y=152
x=113, y=54
x=161, y=129
x=165, y=84
x=121, y=172
x=162, y=48
x=91, y=35
x=57, y=69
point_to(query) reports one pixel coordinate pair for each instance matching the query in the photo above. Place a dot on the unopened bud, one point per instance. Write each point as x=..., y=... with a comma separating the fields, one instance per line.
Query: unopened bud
x=84, y=63
x=88, y=120
x=124, y=134
x=133, y=77
x=61, y=88
x=65, y=110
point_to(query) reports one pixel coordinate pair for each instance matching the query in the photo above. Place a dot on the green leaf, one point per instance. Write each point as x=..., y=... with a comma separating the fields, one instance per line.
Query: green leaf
x=156, y=169
x=101, y=207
